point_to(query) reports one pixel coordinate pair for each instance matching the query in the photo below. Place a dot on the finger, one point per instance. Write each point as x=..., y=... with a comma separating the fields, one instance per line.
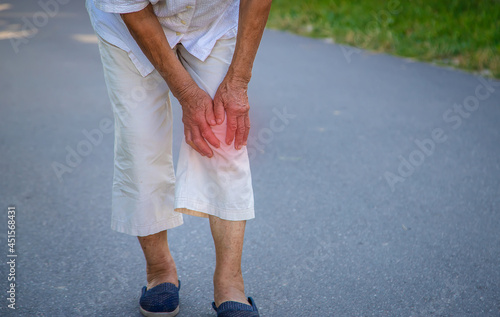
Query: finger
x=200, y=142
x=240, y=132
x=219, y=110
x=190, y=142
x=209, y=114
x=247, y=129
x=232, y=124
x=208, y=134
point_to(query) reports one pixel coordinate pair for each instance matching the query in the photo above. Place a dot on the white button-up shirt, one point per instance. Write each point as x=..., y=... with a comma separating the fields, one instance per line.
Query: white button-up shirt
x=197, y=24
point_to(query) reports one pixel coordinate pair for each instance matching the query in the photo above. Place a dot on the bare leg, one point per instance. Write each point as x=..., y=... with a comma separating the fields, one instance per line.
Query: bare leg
x=228, y=280
x=160, y=265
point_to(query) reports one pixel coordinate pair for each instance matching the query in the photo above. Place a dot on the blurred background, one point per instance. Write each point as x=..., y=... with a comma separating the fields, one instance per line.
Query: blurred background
x=459, y=33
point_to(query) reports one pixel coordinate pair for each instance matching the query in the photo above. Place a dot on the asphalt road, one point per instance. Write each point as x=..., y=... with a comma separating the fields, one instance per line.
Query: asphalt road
x=376, y=178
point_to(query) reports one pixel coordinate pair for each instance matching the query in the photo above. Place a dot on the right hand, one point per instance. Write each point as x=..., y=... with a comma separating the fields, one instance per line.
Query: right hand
x=198, y=116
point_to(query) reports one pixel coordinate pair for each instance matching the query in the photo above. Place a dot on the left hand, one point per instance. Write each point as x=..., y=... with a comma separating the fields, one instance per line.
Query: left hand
x=231, y=97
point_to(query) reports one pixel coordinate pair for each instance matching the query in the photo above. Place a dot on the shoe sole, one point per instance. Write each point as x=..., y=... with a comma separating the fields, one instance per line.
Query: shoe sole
x=159, y=314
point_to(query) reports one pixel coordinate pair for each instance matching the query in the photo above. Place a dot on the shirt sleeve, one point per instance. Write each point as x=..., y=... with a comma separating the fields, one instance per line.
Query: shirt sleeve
x=122, y=6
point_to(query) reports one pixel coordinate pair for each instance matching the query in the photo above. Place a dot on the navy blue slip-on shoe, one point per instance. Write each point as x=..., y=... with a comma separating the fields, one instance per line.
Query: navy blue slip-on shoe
x=236, y=309
x=160, y=301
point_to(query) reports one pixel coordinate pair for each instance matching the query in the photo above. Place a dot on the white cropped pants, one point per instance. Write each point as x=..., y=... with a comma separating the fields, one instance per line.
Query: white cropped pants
x=147, y=196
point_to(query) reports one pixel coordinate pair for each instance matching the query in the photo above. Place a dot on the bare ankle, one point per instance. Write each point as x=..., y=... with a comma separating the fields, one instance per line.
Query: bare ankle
x=159, y=273
x=229, y=287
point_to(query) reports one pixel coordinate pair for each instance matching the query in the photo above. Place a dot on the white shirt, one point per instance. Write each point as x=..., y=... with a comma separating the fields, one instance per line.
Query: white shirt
x=197, y=24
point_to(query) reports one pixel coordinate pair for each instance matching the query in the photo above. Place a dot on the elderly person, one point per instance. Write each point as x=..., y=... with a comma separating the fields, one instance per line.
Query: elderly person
x=202, y=52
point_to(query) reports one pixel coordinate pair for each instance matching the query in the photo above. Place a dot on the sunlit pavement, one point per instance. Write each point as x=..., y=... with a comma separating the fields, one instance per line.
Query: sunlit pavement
x=376, y=178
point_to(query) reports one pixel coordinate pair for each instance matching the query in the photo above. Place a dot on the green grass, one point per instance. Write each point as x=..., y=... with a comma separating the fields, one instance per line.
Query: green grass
x=460, y=33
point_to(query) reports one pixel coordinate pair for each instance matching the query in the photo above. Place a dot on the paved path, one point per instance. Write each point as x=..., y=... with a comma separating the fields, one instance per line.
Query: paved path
x=376, y=194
